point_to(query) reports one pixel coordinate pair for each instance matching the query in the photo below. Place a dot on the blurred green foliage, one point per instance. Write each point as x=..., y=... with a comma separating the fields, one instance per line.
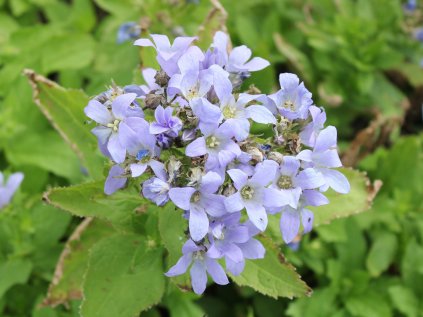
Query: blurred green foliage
x=357, y=57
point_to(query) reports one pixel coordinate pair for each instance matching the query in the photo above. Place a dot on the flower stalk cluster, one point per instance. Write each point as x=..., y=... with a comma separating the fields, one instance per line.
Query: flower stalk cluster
x=189, y=130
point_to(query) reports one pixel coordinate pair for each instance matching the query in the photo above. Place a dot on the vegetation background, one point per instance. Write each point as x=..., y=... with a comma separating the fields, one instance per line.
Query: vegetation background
x=361, y=60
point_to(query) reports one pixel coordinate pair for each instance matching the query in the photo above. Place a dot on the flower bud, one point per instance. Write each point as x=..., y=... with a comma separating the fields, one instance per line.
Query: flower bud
x=173, y=166
x=188, y=135
x=276, y=156
x=161, y=78
x=256, y=154
x=294, y=144
x=152, y=101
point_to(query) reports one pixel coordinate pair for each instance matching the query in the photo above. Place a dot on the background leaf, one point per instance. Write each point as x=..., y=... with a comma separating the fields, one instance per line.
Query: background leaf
x=64, y=109
x=124, y=277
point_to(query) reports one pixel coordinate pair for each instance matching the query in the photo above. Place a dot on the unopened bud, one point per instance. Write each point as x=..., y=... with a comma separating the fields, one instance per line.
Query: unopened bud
x=188, y=135
x=279, y=140
x=256, y=154
x=152, y=101
x=161, y=78
x=276, y=156
x=173, y=166
x=294, y=144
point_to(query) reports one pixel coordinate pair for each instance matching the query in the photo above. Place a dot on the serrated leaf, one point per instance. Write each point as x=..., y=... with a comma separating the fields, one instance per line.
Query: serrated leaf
x=70, y=269
x=124, y=277
x=359, y=199
x=272, y=276
x=64, y=109
x=89, y=200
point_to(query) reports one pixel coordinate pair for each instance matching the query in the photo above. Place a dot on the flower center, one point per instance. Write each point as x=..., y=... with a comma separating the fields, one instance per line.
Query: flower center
x=192, y=93
x=285, y=182
x=195, y=198
x=229, y=112
x=247, y=192
x=212, y=142
x=289, y=105
x=114, y=126
x=143, y=156
x=198, y=255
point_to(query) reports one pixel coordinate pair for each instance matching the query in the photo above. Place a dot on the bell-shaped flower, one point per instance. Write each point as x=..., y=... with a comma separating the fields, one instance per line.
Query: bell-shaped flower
x=219, y=146
x=233, y=241
x=310, y=132
x=291, y=218
x=324, y=157
x=113, y=129
x=165, y=122
x=167, y=54
x=238, y=59
x=252, y=192
x=157, y=188
x=236, y=113
x=201, y=264
x=116, y=179
x=293, y=100
x=200, y=200
x=289, y=183
x=142, y=148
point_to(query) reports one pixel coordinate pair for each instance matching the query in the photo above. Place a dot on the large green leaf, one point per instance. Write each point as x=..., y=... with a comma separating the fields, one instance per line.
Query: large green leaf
x=64, y=108
x=124, y=277
x=89, y=200
x=58, y=54
x=47, y=151
x=359, y=199
x=13, y=272
x=404, y=300
x=273, y=275
x=70, y=270
x=172, y=227
x=381, y=253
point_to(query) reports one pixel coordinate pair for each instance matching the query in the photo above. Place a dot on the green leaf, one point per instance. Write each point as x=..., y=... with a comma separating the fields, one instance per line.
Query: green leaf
x=359, y=199
x=172, y=227
x=124, y=277
x=67, y=51
x=272, y=276
x=64, y=108
x=381, y=253
x=182, y=304
x=89, y=200
x=368, y=304
x=73, y=262
x=411, y=267
x=313, y=306
x=122, y=8
x=47, y=151
x=404, y=300
x=13, y=272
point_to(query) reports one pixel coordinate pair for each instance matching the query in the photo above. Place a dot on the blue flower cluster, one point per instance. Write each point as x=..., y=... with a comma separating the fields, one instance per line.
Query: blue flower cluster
x=189, y=130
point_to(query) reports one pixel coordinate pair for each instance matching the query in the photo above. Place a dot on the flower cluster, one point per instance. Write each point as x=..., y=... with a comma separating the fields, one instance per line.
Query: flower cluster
x=188, y=131
x=8, y=189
